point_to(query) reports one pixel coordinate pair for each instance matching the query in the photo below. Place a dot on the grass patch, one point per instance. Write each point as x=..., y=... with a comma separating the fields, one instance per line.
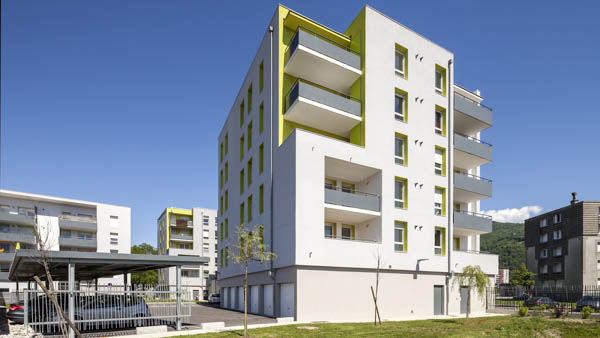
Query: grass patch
x=501, y=326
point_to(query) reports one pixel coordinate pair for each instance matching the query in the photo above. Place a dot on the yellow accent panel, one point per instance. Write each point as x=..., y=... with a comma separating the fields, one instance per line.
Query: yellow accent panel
x=356, y=32
x=291, y=20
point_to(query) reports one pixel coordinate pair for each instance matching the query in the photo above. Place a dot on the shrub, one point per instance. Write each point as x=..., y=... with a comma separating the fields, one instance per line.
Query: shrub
x=523, y=311
x=558, y=311
x=586, y=312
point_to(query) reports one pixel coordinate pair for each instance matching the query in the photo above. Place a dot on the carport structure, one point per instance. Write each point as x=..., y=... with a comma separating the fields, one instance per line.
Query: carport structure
x=71, y=266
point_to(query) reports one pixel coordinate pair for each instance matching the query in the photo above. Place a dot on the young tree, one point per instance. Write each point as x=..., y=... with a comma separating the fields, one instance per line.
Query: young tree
x=379, y=263
x=473, y=278
x=149, y=277
x=249, y=248
x=522, y=277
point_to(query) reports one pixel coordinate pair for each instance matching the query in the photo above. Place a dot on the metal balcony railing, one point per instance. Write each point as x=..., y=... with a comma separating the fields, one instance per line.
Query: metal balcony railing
x=352, y=198
x=343, y=238
x=317, y=44
x=474, y=139
x=294, y=92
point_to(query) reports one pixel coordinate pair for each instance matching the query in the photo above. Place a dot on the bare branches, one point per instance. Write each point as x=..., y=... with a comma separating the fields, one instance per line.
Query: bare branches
x=379, y=263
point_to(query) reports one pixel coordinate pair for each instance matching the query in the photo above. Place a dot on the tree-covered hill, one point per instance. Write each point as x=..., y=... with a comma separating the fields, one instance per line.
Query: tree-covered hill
x=507, y=240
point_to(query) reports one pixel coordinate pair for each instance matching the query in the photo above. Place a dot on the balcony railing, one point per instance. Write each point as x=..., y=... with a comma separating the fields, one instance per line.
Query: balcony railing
x=474, y=139
x=182, y=223
x=472, y=183
x=473, y=221
x=343, y=238
x=17, y=218
x=474, y=147
x=352, y=198
x=476, y=110
x=22, y=236
x=324, y=46
x=77, y=223
x=322, y=95
x=175, y=236
x=82, y=242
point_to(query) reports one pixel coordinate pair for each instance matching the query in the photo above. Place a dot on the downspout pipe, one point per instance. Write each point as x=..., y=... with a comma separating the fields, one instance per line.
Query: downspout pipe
x=272, y=267
x=450, y=173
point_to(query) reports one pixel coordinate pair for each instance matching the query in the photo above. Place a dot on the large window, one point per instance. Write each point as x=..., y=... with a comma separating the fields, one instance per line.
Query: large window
x=249, y=143
x=438, y=241
x=543, y=238
x=400, y=187
x=250, y=98
x=400, y=236
x=440, y=157
x=249, y=208
x=400, y=147
x=329, y=230
x=347, y=231
x=440, y=121
x=242, y=181
x=557, y=267
x=261, y=199
x=557, y=234
x=261, y=158
x=439, y=81
x=242, y=209
x=261, y=117
x=261, y=76
x=544, y=269
x=557, y=218
x=401, y=61
x=242, y=114
x=544, y=253
x=400, y=106
x=558, y=251
x=438, y=203
x=249, y=171
x=242, y=147
x=543, y=223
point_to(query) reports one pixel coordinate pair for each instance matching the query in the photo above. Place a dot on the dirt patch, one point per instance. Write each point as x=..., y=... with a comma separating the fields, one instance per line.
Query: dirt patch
x=310, y=328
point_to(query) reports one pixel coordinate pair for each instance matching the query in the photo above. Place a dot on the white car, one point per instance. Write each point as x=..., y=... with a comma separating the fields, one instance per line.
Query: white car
x=214, y=299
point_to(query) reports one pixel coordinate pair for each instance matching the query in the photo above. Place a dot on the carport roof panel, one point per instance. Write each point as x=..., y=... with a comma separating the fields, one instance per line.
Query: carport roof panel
x=91, y=265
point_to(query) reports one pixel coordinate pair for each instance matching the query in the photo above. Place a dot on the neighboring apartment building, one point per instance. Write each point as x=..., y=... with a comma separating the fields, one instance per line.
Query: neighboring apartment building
x=68, y=225
x=188, y=232
x=563, y=245
x=361, y=143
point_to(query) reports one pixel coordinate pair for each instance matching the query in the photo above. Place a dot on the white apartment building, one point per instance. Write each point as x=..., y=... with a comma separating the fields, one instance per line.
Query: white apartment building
x=65, y=225
x=188, y=232
x=343, y=147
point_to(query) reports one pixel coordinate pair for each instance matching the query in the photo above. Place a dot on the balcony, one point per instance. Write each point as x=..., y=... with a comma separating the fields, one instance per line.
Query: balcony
x=181, y=237
x=23, y=237
x=69, y=222
x=182, y=223
x=470, y=152
x=318, y=59
x=351, y=206
x=470, y=117
x=9, y=217
x=470, y=188
x=472, y=221
x=77, y=242
x=322, y=109
x=487, y=262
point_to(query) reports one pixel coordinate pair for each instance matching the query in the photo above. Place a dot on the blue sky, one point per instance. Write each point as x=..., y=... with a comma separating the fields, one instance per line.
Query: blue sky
x=121, y=101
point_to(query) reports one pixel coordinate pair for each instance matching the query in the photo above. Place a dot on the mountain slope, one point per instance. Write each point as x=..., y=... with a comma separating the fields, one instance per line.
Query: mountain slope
x=507, y=241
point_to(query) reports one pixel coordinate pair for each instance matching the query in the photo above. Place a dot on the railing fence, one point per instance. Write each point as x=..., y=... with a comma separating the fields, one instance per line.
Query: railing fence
x=567, y=298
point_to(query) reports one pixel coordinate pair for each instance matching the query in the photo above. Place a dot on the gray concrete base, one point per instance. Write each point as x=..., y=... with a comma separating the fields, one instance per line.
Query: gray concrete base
x=212, y=325
x=151, y=329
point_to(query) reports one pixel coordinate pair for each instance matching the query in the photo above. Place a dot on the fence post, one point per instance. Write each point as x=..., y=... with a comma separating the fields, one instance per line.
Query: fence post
x=25, y=311
x=71, y=300
x=178, y=291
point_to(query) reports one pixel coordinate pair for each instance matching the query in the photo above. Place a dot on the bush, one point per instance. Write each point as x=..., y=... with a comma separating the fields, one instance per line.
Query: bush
x=586, y=312
x=559, y=311
x=523, y=311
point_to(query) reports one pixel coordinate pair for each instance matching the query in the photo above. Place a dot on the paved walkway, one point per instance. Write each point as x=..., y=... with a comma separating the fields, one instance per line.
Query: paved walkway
x=207, y=313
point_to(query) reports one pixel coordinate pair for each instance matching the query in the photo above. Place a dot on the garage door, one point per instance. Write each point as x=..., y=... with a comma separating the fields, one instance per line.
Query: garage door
x=225, y=298
x=286, y=306
x=240, y=298
x=268, y=300
x=254, y=298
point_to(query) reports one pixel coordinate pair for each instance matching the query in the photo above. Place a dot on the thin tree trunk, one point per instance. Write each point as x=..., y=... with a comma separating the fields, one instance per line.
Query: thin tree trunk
x=468, y=301
x=245, y=300
x=59, y=309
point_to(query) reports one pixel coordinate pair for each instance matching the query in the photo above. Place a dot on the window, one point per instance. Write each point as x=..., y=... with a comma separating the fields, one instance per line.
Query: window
x=440, y=121
x=226, y=201
x=543, y=238
x=557, y=267
x=242, y=181
x=220, y=152
x=226, y=228
x=543, y=223
x=31, y=212
x=205, y=220
x=226, y=171
x=261, y=158
x=242, y=213
x=329, y=230
x=242, y=114
x=221, y=232
x=205, y=248
x=249, y=208
x=114, y=241
x=330, y=184
x=557, y=234
x=249, y=172
x=440, y=161
x=249, y=98
x=226, y=143
x=347, y=231
x=261, y=76
x=261, y=199
x=544, y=253
x=114, y=221
x=439, y=207
x=261, y=235
x=557, y=218
x=400, y=149
x=261, y=117
x=348, y=187
x=221, y=205
x=439, y=242
x=400, y=193
x=400, y=236
x=400, y=60
x=66, y=233
x=114, y=251
x=249, y=135
x=457, y=243
x=544, y=269
x=400, y=106
x=242, y=147
x=221, y=179
x=558, y=251
x=440, y=80
x=226, y=256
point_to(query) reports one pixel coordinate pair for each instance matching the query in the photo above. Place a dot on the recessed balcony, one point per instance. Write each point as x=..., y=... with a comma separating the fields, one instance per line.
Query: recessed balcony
x=320, y=60
x=470, y=117
x=470, y=188
x=22, y=236
x=323, y=109
x=182, y=237
x=472, y=222
x=78, y=242
x=69, y=222
x=470, y=152
x=182, y=223
x=9, y=217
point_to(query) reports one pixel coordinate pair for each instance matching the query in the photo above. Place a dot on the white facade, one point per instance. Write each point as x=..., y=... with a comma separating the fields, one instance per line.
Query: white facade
x=335, y=203
x=65, y=225
x=184, y=232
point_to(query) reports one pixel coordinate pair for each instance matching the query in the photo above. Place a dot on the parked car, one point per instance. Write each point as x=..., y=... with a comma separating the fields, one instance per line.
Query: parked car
x=539, y=301
x=214, y=299
x=591, y=301
x=522, y=296
x=39, y=309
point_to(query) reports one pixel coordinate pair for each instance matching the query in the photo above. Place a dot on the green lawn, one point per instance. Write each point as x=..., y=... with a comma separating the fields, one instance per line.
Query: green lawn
x=502, y=326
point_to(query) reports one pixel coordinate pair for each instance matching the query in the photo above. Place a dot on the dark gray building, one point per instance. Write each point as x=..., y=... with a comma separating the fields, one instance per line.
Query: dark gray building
x=563, y=246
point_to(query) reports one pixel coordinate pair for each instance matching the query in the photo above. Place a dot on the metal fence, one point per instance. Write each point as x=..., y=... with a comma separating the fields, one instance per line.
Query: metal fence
x=107, y=308
x=566, y=298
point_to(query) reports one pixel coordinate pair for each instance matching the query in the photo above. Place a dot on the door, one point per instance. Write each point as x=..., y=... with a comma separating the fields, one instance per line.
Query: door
x=268, y=300
x=254, y=298
x=464, y=294
x=287, y=295
x=240, y=298
x=224, y=294
x=438, y=299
